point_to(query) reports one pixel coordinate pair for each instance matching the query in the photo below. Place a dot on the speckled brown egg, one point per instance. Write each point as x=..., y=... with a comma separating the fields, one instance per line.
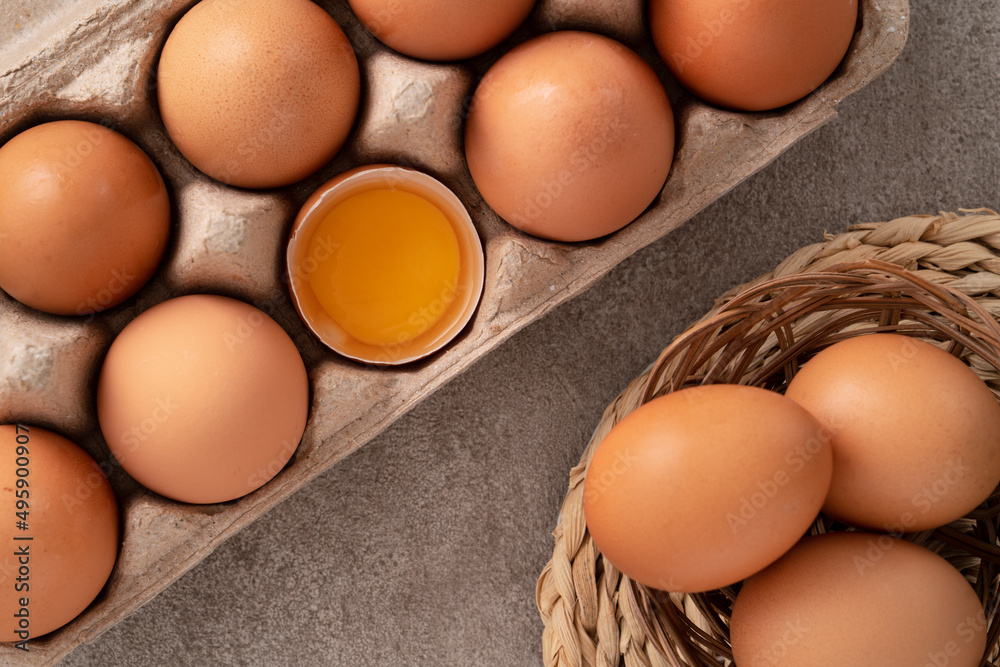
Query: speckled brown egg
x=60, y=531
x=258, y=93
x=752, y=55
x=858, y=599
x=442, y=29
x=84, y=217
x=570, y=136
x=916, y=433
x=703, y=487
x=203, y=398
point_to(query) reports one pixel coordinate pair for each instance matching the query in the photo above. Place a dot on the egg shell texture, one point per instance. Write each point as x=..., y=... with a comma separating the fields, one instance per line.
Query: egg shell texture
x=228, y=241
x=84, y=217
x=442, y=29
x=752, y=54
x=858, y=599
x=916, y=434
x=570, y=136
x=259, y=93
x=203, y=398
x=72, y=520
x=703, y=487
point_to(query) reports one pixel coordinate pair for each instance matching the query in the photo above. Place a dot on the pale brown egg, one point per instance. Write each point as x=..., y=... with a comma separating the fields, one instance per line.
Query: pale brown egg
x=442, y=29
x=916, y=434
x=570, y=136
x=258, y=93
x=203, y=399
x=752, y=55
x=84, y=218
x=705, y=486
x=858, y=599
x=59, y=531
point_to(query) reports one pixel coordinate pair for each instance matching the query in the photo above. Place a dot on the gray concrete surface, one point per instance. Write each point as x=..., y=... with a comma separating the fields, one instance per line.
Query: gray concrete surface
x=423, y=548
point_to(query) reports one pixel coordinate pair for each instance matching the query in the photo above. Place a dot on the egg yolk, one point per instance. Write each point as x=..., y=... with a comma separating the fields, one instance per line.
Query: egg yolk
x=387, y=265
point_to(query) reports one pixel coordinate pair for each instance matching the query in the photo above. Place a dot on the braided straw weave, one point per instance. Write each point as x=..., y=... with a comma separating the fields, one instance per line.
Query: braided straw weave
x=934, y=277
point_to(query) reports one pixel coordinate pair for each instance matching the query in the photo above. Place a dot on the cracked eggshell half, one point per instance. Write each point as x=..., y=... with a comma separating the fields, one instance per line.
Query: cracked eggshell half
x=311, y=255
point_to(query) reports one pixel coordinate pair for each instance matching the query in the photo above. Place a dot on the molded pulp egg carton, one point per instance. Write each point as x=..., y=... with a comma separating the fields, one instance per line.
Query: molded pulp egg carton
x=96, y=60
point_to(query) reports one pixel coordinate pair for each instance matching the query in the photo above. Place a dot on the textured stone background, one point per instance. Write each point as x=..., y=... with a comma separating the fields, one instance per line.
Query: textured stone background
x=423, y=548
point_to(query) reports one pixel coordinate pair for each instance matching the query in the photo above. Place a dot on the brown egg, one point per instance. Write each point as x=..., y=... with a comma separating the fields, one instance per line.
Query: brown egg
x=258, y=93
x=203, y=399
x=442, y=29
x=862, y=600
x=59, y=531
x=570, y=136
x=705, y=486
x=916, y=434
x=752, y=55
x=84, y=218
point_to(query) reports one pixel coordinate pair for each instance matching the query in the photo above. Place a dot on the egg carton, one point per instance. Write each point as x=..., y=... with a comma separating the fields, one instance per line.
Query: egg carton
x=96, y=60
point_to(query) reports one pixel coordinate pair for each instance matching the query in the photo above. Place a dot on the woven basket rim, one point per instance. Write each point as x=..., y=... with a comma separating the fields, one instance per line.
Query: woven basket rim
x=935, y=277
